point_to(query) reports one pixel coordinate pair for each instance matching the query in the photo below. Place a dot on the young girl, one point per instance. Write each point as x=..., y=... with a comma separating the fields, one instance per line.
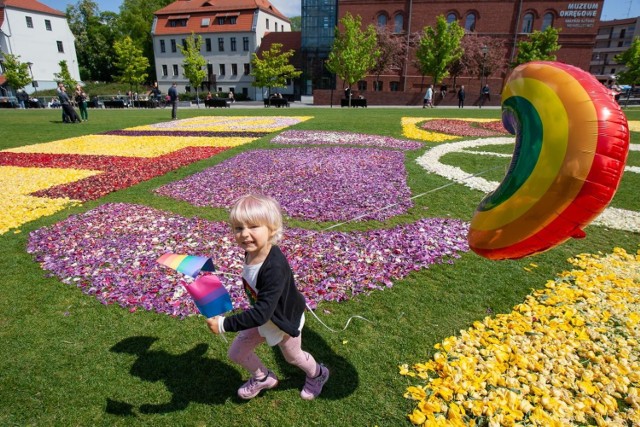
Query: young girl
x=277, y=312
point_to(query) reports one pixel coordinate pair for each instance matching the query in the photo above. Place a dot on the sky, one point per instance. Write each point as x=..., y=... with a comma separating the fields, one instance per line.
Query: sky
x=613, y=9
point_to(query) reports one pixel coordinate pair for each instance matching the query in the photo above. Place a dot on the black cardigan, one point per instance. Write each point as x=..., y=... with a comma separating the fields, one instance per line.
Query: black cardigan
x=278, y=298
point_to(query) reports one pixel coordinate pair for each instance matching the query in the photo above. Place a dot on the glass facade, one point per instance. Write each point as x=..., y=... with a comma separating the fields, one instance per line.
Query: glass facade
x=318, y=23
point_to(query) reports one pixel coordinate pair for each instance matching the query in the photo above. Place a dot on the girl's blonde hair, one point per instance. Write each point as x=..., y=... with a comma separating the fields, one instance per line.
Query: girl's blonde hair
x=258, y=209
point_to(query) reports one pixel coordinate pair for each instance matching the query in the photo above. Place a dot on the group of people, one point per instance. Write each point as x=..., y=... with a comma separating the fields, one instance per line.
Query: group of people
x=69, y=114
x=485, y=95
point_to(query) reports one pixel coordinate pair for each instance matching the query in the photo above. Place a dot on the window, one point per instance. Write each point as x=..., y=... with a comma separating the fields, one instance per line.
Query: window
x=29, y=22
x=245, y=44
x=177, y=22
x=470, y=22
x=163, y=48
x=234, y=69
x=165, y=71
x=622, y=32
x=547, y=21
x=398, y=23
x=451, y=17
x=267, y=24
x=377, y=86
x=207, y=44
x=60, y=46
x=247, y=69
x=233, y=20
x=233, y=44
x=382, y=20
x=394, y=86
x=362, y=85
x=221, y=44
x=527, y=23
x=221, y=21
x=223, y=70
x=173, y=46
x=205, y=22
x=184, y=43
x=47, y=24
x=175, y=69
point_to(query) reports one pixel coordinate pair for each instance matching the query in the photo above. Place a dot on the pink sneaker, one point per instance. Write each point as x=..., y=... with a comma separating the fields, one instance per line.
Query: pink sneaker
x=313, y=386
x=251, y=388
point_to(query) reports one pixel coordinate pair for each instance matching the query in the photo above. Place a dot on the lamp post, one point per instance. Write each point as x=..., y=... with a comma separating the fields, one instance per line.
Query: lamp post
x=485, y=50
x=33, y=82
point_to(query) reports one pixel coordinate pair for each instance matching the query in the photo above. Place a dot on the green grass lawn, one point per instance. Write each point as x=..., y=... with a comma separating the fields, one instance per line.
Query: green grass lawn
x=66, y=359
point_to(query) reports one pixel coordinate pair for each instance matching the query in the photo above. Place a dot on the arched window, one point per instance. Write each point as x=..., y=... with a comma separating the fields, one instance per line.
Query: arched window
x=470, y=22
x=547, y=20
x=398, y=23
x=527, y=23
x=451, y=17
x=382, y=20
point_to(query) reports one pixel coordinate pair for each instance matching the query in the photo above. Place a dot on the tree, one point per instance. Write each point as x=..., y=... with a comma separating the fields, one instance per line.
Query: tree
x=354, y=52
x=194, y=63
x=274, y=68
x=540, y=46
x=474, y=62
x=64, y=76
x=131, y=63
x=95, y=35
x=631, y=60
x=438, y=48
x=136, y=19
x=392, y=52
x=296, y=23
x=16, y=72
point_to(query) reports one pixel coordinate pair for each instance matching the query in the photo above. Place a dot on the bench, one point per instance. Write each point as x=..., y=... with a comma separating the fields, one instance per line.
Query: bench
x=35, y=104
x=355, y=102
x=216, y=103
x=277, y=102
x=114, y=103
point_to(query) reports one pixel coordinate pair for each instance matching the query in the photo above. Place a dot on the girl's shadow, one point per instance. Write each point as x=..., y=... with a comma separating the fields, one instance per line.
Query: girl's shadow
x=191, y=377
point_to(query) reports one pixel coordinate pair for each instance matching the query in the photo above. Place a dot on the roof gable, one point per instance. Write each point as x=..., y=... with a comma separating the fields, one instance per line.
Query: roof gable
x=216, y=6
x=30, y=5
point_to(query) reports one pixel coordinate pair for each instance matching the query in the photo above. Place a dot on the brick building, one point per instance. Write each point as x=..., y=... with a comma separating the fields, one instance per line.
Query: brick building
x=508, y=21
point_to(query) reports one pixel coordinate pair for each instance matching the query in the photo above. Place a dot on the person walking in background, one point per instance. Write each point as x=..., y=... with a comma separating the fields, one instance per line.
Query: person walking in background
x=428, y=98
x=485, y=95
x=173, y=99
x=461, y=96
x=277, y=308
x=81, y=100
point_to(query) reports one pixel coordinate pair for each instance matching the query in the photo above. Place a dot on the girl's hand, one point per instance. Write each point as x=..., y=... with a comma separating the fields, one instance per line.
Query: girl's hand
x=212, y=322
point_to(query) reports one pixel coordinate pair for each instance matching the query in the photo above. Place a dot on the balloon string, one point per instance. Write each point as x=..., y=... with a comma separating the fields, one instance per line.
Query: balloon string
x=334, y=330
x=433, y=190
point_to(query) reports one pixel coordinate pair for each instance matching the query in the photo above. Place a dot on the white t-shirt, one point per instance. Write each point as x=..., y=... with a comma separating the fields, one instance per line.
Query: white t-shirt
x=271, y=333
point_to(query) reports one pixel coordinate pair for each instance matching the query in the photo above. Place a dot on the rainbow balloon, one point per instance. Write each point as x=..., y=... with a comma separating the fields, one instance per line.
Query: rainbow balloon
x=190, y=265
x=572, y=141
x=210, y=296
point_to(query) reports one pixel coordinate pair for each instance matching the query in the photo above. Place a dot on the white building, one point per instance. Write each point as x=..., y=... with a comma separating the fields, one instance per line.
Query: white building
x=39, y=35
x=231, y=31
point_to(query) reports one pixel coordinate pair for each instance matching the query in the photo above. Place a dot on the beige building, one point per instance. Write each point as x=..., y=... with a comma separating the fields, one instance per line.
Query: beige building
x=613, y=38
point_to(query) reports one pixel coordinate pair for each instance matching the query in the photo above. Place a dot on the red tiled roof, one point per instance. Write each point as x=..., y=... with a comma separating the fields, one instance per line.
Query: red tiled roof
x=244, y=22
x=32, y=5
x=242, y=10
x=1, y=16
x=195, y=6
